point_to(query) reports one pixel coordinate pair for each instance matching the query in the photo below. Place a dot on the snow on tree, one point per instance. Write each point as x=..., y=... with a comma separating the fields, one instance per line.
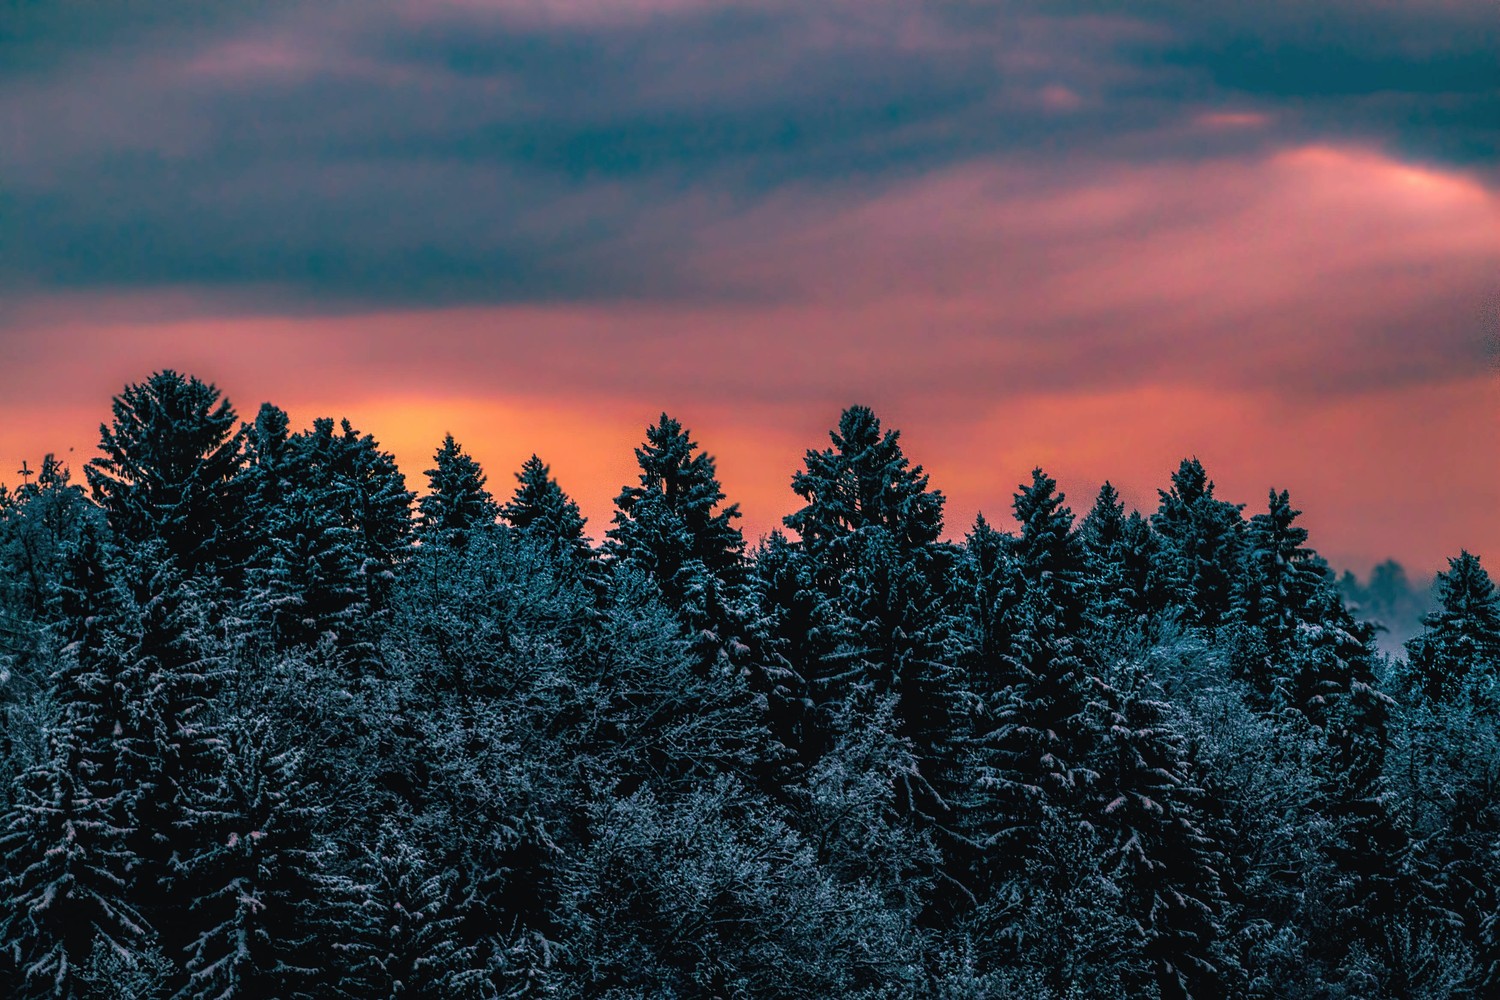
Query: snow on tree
x=333, y=538
x=540, y=504
x=864, y=481
x=456, y=500
x=403, y=937
x=1459, y=649
x=170, y=470
x=1124, y=593
x=1200, y=555
x=250, y=868
x=1276, y=597
x=550, y=518
x=64, y=843
x=261, y=738
x=673, y=525
x=870, y=536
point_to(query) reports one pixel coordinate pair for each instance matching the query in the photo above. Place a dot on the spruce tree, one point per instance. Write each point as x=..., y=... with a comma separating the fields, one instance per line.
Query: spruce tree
x=989, y=591
x=1459, y=649
x=331, y=540
x=251, y=871
x=456, y=501
x=170, y=471
x=673, y=527
x=1200, y=555
x=540, y=509
x=65, y=841
x=404, y=936
x=864, y=481
x=1124, y=593
x=1276, y=596
x=1048, y=558
x=40, y=529
x=172, y=673
x=870, y=531
x=1150, y=808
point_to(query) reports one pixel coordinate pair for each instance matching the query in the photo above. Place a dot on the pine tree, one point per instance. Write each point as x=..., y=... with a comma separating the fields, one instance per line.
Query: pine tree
x=894, y=641
x=64, y=843
x=457, y=501
x=1200, y=555
x=1460, y=647
x=170, y=472
x=405, y=936
x=1048, y=559
x=39, y=531
x=1124, y=595
x=870, y=532
x=1277, y=594
x=251, y=871
x=673, y=528
x=332, y=539
x=864, y=481
x=789, y=647
x=540, y=509
x=989, y=592
x=171, y=672
x=1150, y=809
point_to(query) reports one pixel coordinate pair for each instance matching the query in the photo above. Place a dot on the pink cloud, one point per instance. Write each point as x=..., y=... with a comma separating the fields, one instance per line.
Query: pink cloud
x=1313, y=320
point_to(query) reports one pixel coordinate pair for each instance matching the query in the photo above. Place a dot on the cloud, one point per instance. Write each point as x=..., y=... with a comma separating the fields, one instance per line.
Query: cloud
x=423, y=153
x=1315, y=270
x=1015, y=218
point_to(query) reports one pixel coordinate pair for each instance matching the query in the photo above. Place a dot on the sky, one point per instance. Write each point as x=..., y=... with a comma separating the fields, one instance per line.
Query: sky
x=1090, y=236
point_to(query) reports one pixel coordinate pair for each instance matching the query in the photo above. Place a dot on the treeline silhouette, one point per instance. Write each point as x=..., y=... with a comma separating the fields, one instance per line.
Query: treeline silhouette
x=274, y=727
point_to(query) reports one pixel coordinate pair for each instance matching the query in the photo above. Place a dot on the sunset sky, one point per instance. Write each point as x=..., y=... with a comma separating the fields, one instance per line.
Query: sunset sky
x=1031, y=232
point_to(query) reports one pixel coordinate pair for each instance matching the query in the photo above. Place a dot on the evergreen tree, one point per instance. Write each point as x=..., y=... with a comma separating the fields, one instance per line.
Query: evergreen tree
x=169, y=472
x=457, y=500
x=864, y=481
x=1157, y=845
x=672, y=525
x=1460, y=647
x=789, y=646
x=66, y=859
x=1200, y=555
x=406, y=938
x=1277, y=595
x=894, y=641
x=40, y=529
x=333, y=537
x=870, y=535
x=1124, y=595
x=989, y=593
x=251, y=870
x=541, y=509
x=1048, y=559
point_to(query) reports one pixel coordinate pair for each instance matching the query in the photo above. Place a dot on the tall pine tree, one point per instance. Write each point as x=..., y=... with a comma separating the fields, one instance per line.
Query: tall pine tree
x=170, y=471
x=673, y=526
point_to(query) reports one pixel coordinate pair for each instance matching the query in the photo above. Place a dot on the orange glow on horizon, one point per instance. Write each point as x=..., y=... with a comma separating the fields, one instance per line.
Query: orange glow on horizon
x=1309, y=321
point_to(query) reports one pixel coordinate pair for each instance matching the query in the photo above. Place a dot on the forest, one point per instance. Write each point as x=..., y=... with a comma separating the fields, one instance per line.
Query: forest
x=278, y=721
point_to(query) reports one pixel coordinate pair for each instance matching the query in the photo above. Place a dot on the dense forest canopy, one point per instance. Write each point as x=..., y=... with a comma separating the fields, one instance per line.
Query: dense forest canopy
x=275, y=727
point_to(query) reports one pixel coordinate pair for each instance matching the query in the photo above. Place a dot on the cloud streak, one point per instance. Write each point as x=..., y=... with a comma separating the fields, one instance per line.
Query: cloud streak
x=1061, y=229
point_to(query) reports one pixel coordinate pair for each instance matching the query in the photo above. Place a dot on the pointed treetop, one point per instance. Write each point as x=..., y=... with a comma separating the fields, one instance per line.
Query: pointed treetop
x=457, y=499
x=1461, y=640
x=168, y=468
x=864, y=481
x=539, y=505
x=675, y=515
x=1190, y=483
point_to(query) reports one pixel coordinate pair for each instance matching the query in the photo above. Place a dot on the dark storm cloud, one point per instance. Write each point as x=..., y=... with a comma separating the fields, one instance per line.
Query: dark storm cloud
x=428, y=153
x=1420, y=75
